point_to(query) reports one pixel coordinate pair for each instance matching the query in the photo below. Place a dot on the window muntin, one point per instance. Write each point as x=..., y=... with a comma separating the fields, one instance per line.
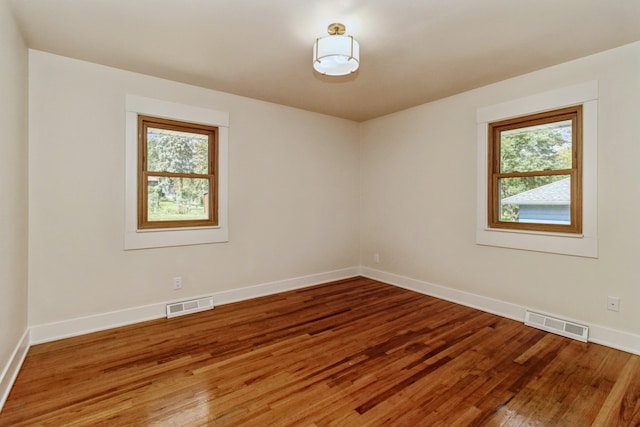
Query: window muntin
x=535, y=176
x=177, y=184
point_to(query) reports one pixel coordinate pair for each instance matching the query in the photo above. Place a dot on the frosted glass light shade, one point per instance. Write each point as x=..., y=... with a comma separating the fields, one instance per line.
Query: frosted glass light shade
x=336, y=55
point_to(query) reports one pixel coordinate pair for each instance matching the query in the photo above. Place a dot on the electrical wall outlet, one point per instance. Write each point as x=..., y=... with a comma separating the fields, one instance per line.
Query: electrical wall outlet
x=177, y=283
x=376, y=258
x=613, y=303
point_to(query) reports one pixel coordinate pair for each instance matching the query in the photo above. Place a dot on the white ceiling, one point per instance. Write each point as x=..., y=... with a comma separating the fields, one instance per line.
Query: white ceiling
x=412, y=51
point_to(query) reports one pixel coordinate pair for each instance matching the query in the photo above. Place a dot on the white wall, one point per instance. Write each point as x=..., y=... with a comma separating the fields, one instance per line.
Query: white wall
x=293, y=195
x=13, y=193
x=307, y=191
x=418, y=194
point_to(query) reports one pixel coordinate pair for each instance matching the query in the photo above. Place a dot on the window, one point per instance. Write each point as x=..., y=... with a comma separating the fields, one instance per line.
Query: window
x=535, y=172
x=177, y=185
x=525, y=235
x=205, y=216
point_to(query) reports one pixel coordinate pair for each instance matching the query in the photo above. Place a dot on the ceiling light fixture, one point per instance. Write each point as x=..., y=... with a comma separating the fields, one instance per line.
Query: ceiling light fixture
x=336, y=54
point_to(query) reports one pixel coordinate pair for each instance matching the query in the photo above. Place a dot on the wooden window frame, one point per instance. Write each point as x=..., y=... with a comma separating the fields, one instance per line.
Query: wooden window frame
x=144, y=122
x=575, y=172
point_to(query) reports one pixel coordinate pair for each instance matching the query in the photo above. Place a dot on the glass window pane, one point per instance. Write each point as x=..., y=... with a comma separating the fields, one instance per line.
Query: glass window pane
x=536, y=199
x=176, y=151
x=177, y=199
x=536, y=148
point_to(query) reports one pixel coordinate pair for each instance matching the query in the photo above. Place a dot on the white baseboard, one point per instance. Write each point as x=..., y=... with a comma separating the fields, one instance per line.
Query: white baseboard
x=613, y=338
x=10, y=371
x=264, y=289
x=490, y=305
x=98, y=322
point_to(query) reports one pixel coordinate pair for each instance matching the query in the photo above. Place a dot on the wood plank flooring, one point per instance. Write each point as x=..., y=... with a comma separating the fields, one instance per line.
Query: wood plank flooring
x=355, y=352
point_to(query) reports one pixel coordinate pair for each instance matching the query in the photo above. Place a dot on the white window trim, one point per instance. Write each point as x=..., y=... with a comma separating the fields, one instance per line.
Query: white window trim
x=585, y=244
x=139, y=239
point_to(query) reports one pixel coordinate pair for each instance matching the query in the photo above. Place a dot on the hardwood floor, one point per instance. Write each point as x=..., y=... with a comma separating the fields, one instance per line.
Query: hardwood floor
x=351, y=353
